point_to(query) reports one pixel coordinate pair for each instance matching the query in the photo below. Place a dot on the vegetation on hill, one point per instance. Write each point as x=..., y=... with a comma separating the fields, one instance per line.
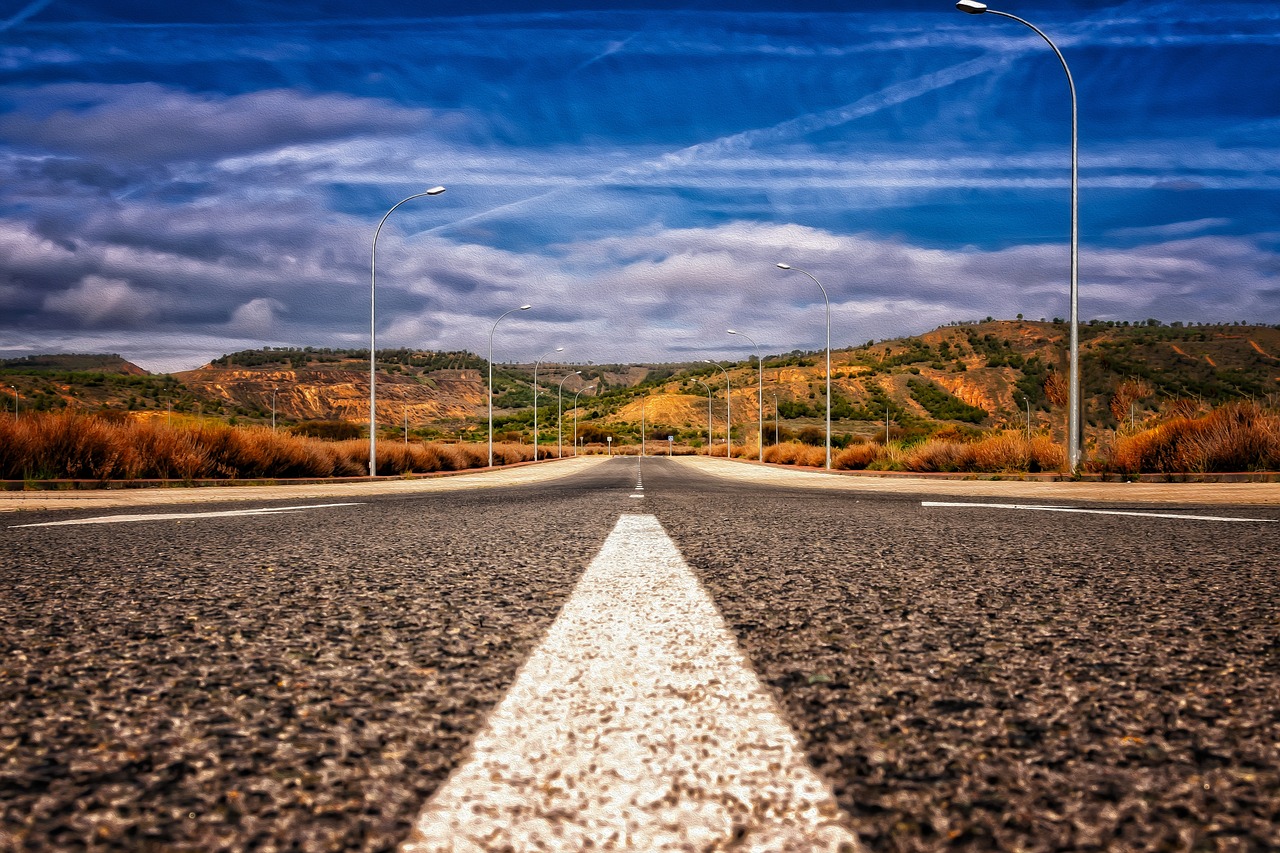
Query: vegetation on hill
x=70, y=363
x=965, y=383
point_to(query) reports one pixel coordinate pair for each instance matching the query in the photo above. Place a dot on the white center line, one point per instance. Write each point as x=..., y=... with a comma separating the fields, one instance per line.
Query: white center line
x=171, y=516
x=1036, y=508
x=636, y=725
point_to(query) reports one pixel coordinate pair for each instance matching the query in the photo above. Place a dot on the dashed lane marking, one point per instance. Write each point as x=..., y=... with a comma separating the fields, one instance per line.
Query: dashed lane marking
x=1035, y=508
x=172, y=516
x=636, y=725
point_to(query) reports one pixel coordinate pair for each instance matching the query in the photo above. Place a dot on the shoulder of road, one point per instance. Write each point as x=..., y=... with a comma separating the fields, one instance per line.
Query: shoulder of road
x=1011, y=489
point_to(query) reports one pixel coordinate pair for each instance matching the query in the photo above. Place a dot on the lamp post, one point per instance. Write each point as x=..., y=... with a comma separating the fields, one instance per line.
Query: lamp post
x=1074, y=421
x=535, y=398
x=708, y=387
x=642, y=401
x=273, y=408
x=760, y=391
x=14, y=388
x=373, y=331
x=775, y=419
x=828, y=301
x=728, y=434
x=491, y=331
x=560, y=415
x=575, y=416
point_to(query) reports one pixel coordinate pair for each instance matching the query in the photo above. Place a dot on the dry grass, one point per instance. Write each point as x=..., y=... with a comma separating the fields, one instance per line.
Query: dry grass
x=857, y=457
x=796, y=453
x=1235, y=437
x=66, y=445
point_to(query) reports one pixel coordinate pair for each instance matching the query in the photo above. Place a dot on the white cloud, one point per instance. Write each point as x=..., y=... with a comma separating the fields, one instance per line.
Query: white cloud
x=98, y=301
x=256, y=318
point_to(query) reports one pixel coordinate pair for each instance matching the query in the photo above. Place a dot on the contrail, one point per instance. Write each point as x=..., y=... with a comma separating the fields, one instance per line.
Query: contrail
x=810, y=123
x=30, y=10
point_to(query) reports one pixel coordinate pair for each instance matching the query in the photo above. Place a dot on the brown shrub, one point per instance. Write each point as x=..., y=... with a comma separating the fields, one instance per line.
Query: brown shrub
x=857, y=457
x=1047, y=454
x=937, y=455
x=1234, y=437
x=782, y=454
x=508, y=453
x=1005, y=451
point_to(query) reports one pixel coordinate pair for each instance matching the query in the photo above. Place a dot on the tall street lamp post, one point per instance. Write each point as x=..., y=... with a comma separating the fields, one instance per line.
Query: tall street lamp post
x=273, y=408
x=728, y=432
x=775, y=419
x=708, y=387
x=1074, y=421
x=642, y=401
x=535, y=398
x=575, y=416
x=828, y=302
x=491, y=331
x=560, y=416
x=373, y=331
x=760, y=390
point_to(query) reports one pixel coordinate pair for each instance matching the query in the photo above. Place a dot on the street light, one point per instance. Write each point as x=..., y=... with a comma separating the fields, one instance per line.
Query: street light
x=775, y=419
x=491, y=331
x=728, y=433
x=535, y=398
x=575, y=416
x=760, y=391
x=373, y=331
x=708, y=387
x=560, y=415
x=828, y=301
x=1073, y=393
x=642, y=400
x=273, y=408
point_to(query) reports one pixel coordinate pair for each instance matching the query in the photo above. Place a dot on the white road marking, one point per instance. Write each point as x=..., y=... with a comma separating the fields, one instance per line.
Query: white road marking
x=171, y=516
x=1093, y=511
x=636, y=725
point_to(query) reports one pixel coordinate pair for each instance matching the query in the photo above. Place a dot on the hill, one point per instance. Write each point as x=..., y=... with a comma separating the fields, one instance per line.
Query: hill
x=961, y=377
x=72, y=363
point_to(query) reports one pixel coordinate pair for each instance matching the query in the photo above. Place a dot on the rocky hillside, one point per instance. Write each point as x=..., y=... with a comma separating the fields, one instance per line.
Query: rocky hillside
x=963, y=376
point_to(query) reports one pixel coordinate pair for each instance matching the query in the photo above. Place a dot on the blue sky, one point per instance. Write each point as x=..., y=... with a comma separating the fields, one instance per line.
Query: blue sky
x=176, y=184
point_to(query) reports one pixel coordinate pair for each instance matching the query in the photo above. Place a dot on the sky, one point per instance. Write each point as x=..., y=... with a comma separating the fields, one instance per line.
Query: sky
x=180, y=181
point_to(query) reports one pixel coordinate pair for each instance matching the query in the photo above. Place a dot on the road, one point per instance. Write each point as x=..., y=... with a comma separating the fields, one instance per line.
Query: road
x=958, y=676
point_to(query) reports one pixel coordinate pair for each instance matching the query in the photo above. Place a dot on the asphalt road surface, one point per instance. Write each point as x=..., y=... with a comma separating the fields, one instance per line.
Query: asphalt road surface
x=961, y=677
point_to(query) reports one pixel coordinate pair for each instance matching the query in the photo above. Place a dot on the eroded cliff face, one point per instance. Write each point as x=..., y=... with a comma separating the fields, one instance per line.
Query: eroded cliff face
x=343, y=394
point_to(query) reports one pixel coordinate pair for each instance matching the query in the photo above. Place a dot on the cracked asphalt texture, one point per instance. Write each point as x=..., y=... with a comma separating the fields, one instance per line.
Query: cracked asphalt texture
x=964, y=678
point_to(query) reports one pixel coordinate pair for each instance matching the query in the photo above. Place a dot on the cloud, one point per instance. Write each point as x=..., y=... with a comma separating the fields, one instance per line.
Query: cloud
x=1173, y=229
x=256, y=318
x=148, y=122
x=96, y=302
x=24, y=13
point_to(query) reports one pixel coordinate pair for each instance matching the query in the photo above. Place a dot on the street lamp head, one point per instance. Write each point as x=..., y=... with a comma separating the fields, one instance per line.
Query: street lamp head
x=559, y=349
x=576, y=373
x=435, y=191
x=784, y=266
x=731, y=331
x=525, y=307
x=973, y=7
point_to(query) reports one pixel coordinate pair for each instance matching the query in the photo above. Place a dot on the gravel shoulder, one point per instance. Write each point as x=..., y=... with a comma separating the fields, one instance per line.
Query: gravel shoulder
x=1181, y=493
x=519, y=475
x=745, y=472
